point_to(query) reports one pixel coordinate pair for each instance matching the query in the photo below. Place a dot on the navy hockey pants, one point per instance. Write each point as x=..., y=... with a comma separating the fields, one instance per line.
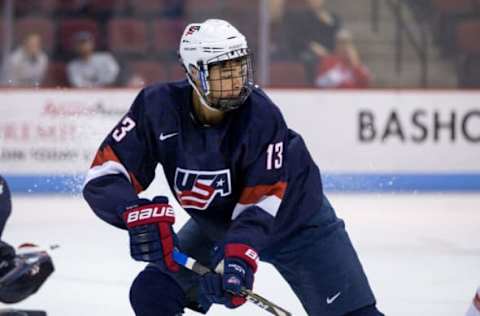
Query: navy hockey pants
x=319, y=263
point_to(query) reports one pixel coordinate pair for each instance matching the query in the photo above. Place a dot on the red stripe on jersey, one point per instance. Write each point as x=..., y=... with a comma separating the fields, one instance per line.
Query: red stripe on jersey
x=252, y=195
x=197, y=195
x=187, y=203
x=107, y=154
x=103, y=155
x=201, y=196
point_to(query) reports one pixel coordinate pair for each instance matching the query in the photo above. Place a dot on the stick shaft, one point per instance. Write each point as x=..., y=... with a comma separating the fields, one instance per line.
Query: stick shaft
x=192, y=264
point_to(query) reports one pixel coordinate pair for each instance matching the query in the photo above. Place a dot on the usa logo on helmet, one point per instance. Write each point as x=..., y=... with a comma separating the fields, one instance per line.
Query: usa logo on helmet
x=193, y=29
x=197, y=189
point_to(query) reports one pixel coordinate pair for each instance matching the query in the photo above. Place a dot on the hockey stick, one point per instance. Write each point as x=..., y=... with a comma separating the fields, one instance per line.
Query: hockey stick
x=191, y=264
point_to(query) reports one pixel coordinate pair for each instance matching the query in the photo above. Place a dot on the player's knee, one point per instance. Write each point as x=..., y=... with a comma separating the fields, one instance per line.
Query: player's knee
x=370, y=310
x=154, y=293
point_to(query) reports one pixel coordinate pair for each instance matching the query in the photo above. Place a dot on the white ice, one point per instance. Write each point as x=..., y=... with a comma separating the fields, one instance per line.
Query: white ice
x=421, y=253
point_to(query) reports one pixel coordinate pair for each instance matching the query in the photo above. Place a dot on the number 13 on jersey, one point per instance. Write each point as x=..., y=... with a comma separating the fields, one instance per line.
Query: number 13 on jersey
x=275, y=156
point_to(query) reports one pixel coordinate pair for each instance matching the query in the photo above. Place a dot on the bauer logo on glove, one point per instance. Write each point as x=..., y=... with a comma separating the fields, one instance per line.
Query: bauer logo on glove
x=141, y=216
x=149, y=224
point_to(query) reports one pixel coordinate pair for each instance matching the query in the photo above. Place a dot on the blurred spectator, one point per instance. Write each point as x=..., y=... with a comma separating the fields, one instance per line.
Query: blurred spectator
x=276, y=10
x=342, y=68
x=278, y=43
x=91, y=69
x=27, y=65
x=311, y=29
x=310, y=32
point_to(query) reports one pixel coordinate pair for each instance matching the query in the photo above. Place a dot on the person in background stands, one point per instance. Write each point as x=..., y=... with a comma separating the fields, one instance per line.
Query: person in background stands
x=278, y=44
x=318, y=27
x=342, y=68
x=91, y=69
x=27, y=65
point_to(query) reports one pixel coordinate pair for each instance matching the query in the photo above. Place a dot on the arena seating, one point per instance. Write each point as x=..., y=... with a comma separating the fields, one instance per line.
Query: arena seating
x=166, y=35
x=287, y=74
x=34, y=6
x=108, y=6
x=127, y=36
x=142, y=34
x=468, y=36
x=148, y=7
x=68, y=27
x=40, y=25
x=56, y=75
x=453, y=6
x=150, y=71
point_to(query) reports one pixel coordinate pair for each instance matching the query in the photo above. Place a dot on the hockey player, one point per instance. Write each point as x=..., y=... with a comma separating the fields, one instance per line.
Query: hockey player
x=23, y=273
x=247, y=181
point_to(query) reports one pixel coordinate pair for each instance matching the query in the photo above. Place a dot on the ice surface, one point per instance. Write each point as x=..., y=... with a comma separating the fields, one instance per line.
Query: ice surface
x=421, y=253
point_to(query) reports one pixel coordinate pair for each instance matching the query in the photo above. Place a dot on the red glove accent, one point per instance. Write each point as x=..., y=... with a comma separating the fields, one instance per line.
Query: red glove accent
x=168, y=246
x=163, y=216
x=237, y=300
x=243, y=252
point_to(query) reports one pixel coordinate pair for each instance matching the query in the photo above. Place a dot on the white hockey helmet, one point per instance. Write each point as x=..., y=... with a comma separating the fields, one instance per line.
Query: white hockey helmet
x=213, y=42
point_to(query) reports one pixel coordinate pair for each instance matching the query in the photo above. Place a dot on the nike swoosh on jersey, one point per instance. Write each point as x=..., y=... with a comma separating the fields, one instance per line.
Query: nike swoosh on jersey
x=166, y=136
x=330, y=300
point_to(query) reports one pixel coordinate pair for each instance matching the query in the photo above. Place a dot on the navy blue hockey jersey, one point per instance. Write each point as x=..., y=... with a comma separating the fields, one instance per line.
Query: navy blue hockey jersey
x=250, y=175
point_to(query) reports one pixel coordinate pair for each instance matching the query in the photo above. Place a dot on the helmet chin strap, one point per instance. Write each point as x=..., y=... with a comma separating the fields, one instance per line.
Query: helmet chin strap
x=200, y=96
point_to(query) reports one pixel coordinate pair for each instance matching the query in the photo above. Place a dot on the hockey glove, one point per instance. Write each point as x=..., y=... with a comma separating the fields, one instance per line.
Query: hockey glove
x=152, y=238
x=239, y=265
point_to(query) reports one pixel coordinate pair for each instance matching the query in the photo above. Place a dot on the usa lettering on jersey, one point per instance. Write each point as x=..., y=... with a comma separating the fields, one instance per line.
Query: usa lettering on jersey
x=197, y=189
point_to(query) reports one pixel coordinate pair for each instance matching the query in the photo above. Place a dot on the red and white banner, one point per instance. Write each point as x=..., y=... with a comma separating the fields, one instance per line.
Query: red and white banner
x=58, y=131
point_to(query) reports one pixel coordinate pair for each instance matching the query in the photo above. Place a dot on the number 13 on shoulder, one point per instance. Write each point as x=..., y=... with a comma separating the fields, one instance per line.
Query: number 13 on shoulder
x=275, y=156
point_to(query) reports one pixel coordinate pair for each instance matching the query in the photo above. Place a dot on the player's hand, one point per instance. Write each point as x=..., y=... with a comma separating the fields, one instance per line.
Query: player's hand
x=238, y=265
x=152, y=238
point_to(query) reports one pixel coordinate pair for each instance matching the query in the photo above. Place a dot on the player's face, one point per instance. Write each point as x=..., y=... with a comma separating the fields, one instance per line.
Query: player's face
x=227, y=79
x=85, y=48
x=33, y=44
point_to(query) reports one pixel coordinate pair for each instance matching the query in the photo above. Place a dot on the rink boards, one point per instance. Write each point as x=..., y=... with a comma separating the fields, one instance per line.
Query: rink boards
x=363, y=141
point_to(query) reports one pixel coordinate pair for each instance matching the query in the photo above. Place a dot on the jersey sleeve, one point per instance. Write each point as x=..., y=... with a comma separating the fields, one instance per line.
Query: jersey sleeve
x=123, y=166
x=264, y=184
